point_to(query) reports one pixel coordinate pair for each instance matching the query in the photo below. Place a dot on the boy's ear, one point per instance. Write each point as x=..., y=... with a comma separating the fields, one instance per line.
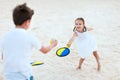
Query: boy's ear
x=27, y=22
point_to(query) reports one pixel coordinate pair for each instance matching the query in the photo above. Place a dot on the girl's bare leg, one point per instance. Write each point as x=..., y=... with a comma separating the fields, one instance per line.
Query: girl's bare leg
x=97, y=59
x=80, y=63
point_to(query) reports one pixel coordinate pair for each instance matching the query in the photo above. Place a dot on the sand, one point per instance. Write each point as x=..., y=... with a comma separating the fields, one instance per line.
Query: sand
x=55, y=19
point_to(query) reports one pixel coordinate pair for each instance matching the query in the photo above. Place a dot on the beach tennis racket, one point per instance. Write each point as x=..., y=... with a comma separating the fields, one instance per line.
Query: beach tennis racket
x=36, y=63
x=63, y=51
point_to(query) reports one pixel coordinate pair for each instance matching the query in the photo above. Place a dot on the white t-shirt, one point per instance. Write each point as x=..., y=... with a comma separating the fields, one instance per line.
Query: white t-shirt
x=16, y=47
x=85, y=44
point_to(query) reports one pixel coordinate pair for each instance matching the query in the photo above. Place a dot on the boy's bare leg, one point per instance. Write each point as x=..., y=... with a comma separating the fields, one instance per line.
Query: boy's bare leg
x=80, y=63
x=97, y=59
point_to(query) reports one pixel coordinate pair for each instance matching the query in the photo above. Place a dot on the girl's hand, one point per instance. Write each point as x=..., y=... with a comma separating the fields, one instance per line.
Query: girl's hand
x=68, y=44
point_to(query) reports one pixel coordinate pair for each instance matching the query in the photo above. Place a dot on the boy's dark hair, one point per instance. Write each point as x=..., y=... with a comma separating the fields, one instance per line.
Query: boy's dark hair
x=21, y=13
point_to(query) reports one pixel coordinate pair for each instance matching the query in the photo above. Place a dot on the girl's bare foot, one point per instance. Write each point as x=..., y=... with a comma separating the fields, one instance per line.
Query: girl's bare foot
x=78, y=68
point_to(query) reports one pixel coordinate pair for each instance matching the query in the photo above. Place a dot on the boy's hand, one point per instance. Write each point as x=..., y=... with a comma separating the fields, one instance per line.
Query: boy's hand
x=53, y=42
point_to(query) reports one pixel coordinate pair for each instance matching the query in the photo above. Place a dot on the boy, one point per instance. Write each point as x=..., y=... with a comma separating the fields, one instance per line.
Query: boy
x=17, y=46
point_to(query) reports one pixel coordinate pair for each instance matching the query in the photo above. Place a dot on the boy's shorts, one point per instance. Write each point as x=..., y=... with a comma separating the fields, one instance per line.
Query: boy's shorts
x=16, y=76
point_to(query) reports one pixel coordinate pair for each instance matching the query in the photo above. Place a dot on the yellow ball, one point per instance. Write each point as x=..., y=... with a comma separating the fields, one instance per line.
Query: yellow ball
x=51, y=41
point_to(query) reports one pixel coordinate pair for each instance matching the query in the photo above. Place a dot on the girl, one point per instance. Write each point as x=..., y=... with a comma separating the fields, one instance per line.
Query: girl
x=85, y=42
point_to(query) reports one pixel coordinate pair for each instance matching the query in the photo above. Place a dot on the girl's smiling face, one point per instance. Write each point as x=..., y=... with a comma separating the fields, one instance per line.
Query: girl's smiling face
x=79, y=24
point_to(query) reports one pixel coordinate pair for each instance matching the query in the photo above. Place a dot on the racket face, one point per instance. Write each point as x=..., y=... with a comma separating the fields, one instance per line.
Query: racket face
x=36, y=63
x=64, y=51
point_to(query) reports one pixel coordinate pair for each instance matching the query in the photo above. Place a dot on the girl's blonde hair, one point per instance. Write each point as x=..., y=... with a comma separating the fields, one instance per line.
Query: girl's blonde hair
x=82, y=19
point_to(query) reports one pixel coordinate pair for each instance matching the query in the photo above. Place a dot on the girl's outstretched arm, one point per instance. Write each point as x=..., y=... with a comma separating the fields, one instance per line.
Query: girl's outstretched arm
x=71, y=39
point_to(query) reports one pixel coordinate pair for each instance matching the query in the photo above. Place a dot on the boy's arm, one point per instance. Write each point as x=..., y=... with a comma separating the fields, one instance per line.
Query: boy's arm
x=89, y=28
x=45, y=50
x=71, y=39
